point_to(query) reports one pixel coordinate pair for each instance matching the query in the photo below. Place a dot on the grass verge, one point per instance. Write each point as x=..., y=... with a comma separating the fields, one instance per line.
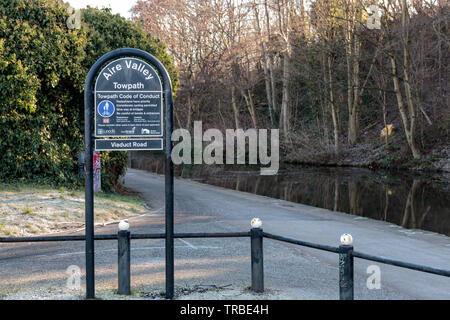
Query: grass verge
x=29, y=210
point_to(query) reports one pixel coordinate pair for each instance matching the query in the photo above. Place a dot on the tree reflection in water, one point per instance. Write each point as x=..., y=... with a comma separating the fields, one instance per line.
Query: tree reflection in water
x=408, y=200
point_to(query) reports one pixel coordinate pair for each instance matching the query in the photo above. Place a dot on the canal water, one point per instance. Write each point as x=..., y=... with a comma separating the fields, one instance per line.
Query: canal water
x=411, y=200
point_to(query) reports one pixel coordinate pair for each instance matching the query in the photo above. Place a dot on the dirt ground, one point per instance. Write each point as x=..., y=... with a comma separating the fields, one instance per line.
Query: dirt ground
x=31, y=210
x=147, y=293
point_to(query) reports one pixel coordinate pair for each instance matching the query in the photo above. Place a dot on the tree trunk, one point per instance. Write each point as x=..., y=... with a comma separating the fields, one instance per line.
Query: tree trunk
x=189, y=117
x=353, y=49
x=406, y=69
x=235, y=107
x=334, y=116
x=273, y=85
x=325, y=98
x=285, y=98
x=285, y=30
x=271, y=62
x=265, y=67
x=403, y=111
x=251, y=106
x=408, y=115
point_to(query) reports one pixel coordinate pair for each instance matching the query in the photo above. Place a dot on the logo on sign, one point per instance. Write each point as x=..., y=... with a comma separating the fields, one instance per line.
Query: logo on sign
x=103, y=131
x=131, y=131
x=106, y=108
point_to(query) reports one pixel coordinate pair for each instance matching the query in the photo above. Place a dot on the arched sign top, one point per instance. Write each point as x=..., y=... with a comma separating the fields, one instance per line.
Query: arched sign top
x=128, y=74
x=128, y=100
x=122, y=53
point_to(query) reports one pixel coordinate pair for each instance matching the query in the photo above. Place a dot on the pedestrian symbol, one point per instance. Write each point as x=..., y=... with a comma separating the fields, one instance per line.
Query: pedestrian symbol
x=106, y=108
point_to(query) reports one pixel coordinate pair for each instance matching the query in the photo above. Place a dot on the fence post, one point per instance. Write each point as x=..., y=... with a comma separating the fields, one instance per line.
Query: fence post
x=123, y=237
x=346, y=290
x=256, y=237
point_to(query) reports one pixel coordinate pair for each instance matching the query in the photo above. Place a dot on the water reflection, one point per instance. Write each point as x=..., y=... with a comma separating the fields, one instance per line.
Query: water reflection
x=410, y=201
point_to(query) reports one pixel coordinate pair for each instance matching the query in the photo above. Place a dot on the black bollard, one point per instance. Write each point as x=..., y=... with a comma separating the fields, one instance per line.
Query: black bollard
x=124, y=262
x=346, y=272
x=256, y=235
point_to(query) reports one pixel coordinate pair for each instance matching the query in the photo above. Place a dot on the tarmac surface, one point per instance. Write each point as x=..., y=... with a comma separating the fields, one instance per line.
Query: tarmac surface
x=292, y=271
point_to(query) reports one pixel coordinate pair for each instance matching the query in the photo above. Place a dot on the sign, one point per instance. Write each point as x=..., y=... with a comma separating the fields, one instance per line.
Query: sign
x=124, y=93
x=128, y=144
x=128, y=100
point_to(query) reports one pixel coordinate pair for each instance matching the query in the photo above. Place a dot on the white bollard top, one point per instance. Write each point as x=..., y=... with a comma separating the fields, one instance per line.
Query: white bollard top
x=346, y=239
x=124, y=225
x=256, y=223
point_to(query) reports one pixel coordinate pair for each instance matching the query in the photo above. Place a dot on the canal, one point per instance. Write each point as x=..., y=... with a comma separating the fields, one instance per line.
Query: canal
x=411, y=200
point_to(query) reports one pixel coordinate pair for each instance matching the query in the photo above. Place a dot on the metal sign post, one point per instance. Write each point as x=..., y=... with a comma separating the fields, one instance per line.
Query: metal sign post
x=127, y=102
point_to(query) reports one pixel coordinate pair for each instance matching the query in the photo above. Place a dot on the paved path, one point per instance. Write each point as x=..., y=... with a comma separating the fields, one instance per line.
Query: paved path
x=295, y=271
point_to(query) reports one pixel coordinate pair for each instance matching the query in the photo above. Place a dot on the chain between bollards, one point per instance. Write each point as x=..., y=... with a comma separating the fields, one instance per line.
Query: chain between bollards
x=257, y=258
x=346, y=288
x=124, y=274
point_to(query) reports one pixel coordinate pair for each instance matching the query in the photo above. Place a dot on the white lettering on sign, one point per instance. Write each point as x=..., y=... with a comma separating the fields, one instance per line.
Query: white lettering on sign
x=149, y=96
x=139, y=67
x=128, y=86
x=140, y=144
x=129, y=64
x=121, y=144
x=133, y=144
x=112, y=70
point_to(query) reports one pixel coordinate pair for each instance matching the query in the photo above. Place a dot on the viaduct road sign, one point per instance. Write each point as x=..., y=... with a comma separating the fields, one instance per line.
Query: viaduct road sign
x=128, y=100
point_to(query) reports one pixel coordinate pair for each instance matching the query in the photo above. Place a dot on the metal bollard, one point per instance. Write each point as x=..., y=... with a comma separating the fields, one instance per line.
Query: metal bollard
x=256, y=236
x=123, y=237
x=346, y=290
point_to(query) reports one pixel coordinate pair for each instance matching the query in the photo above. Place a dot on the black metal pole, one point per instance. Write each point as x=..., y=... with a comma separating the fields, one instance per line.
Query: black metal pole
x=124, y=273
x=346, y=290
x=89, y=190
x=256, y=238
x=170, y=274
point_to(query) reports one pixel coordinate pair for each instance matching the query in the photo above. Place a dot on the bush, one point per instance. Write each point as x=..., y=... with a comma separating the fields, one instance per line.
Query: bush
x=40, y=75
x=43, y=66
